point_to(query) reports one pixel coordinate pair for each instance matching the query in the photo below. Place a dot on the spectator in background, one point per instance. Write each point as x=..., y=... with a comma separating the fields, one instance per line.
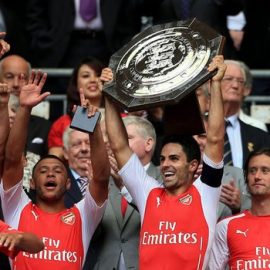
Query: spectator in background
x=243, y=138
x=11, y=68
x=116, y=241
x=212, y=12
x=77, y=154
x=85, y=76
x=61, y=33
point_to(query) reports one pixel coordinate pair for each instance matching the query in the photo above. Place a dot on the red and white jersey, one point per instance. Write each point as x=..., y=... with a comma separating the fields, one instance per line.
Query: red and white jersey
x=177, y=231
x=4, y=228
x=66, y=235
x=243, y=242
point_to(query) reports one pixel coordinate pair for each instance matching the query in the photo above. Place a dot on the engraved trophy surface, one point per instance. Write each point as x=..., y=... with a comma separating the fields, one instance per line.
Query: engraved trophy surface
x=163, y=64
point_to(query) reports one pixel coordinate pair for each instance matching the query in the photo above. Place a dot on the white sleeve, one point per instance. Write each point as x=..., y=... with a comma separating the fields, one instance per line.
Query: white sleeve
x=219, y=255
x=91, y=215
x=13, y=201
x=138, y=182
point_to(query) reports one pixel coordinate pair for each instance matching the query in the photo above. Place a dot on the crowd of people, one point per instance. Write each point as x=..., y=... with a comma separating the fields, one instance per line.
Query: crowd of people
x=129, y=195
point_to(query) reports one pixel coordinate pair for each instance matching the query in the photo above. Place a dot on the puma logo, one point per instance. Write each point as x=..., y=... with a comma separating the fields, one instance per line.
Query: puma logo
x=158, y=201
x=242, y=232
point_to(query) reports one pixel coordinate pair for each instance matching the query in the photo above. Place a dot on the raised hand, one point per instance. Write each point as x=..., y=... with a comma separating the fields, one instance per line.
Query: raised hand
x=230, y=195
x=4, y=93
x=30, y=94
x=86, y=104
x=217, y=63
x=106, y=75
x=4, y=46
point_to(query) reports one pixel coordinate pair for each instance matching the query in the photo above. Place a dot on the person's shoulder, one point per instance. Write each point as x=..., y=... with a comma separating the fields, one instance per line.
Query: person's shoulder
x=254, y=130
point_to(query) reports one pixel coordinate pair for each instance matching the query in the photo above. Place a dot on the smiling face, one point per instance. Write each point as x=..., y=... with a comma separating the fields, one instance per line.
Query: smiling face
x=88, y=80
x=77, y=153
x=177, y=172
x=258, y=175
x=50, y=180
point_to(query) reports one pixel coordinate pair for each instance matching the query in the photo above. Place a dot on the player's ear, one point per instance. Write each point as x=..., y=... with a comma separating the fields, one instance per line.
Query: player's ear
x=32, y=184
x=68, y=184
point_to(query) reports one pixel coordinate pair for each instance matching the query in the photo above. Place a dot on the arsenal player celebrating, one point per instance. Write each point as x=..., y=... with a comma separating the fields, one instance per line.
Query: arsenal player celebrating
x=66, y=233
x=242, y=241
x=178, y=220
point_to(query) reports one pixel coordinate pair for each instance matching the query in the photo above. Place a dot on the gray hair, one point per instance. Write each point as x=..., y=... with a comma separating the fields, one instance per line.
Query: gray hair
x=144, y=127
x=238, y=64
x=249, y=78
x=66, y=137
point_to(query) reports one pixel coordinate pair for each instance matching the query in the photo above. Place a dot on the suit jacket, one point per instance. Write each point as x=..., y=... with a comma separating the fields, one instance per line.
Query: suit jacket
x=51, y=22
x=252, y=139
x=38, y=130
x=116, y=234
x=257, y=35
x=212, y=12
x=236, y=174
x=73, y=195
x=14, y=14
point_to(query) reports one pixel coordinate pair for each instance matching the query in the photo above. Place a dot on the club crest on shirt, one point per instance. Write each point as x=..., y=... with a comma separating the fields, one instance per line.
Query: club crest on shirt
x=68, y=218
x=187, y=200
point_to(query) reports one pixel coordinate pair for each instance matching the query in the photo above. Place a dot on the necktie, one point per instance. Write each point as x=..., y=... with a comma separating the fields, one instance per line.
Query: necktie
x=227, y=147
x=124, y=205
x=88, y=9
x=83, y=184
x=185, y=9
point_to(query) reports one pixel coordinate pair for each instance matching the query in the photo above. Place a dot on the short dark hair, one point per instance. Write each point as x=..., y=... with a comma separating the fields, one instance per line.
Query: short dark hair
x=46, y=157
x=262, y=151
x=188, y=143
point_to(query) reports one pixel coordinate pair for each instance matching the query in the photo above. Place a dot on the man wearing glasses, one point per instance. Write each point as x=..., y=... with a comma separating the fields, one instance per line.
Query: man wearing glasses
x=243, y=138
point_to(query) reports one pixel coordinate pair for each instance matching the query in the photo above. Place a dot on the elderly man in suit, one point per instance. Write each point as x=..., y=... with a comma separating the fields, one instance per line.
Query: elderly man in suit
x=243, y=138
x=77, y=154
x=115, y=243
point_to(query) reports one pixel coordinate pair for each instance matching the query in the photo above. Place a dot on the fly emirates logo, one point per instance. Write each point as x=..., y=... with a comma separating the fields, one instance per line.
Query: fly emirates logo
x=53, y=252
x=261, y=260
x=168, y=235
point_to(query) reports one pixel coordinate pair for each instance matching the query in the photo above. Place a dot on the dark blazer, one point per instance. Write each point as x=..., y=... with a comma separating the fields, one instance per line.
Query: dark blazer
x=73, y=195
x=38, y=130
x=115, y=234
x=212, y=12
x=14, y=14
x=252, y=139
x=50, y=24
x=256, y=42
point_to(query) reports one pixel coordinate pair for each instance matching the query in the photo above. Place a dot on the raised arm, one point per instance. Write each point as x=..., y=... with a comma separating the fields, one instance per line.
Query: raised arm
x=4, y=97
x=4, y=127
x=115, y=128
x=215, y=131
x=30, y=96
x=98, y=185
